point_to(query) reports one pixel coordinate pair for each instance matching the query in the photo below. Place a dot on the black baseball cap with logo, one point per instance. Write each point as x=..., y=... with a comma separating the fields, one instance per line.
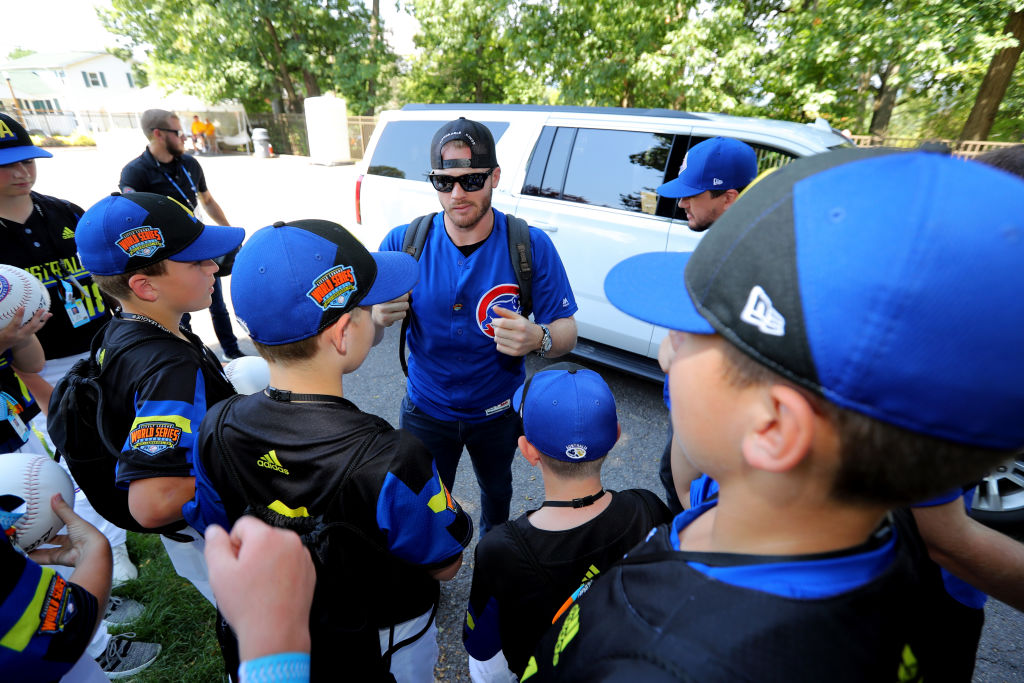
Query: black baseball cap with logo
x=15, y=144
x=476, y=135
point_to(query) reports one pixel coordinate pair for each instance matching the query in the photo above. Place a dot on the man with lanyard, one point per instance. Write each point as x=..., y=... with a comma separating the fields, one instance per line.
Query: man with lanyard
x=164, y=168
x=467, y=337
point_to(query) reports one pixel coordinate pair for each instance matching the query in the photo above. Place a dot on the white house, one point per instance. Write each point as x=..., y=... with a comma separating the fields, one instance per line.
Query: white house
x=59, y=92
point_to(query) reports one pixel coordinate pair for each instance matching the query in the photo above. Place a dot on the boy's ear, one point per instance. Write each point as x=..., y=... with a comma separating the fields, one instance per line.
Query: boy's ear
x=334, y=334
x=144, y=287
x=783, y=430
x=531, y=454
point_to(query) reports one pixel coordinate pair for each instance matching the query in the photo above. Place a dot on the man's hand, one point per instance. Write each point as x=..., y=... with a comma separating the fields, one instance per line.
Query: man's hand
x=263, y=579
x=388, y=313
x=15, y=335
x=514, y=334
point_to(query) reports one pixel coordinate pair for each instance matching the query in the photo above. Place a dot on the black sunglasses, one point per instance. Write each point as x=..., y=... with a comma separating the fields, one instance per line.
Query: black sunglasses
x=179, y=133
x=471, y=182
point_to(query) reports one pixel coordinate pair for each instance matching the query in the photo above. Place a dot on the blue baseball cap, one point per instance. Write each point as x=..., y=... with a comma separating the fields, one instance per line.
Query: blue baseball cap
x=15, y=144
x=715, y=164
x=292, y=280
x=568, y=413
x=850, y=273
x=122, y=233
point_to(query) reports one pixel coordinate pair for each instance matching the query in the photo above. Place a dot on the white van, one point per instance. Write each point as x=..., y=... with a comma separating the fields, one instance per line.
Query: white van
x=585, y=175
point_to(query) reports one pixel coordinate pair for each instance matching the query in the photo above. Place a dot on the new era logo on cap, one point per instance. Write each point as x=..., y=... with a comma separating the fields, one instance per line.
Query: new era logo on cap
x=759, y=312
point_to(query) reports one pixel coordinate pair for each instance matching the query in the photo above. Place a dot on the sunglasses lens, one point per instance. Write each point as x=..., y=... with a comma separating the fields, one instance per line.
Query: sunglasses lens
x=442, y=183
x=472, y=181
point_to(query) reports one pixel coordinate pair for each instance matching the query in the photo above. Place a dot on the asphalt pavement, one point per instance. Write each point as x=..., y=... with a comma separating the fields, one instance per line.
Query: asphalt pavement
x=256, y=192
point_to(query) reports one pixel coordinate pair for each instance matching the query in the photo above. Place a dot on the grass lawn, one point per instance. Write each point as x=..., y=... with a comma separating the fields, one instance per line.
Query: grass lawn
x=176, y=616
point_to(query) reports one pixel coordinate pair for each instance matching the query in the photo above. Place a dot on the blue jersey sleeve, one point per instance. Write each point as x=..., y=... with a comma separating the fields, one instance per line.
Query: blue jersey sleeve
x=425, y=527
x=169, y=406
x=552, y=296
x=206, y=507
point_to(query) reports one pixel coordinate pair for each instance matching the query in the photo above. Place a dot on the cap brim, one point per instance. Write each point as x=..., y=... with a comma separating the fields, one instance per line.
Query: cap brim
x=517, y=398
x=215, y=240
x=652, y=287
x=397, y=273
x=15, y=154
x=677, y=188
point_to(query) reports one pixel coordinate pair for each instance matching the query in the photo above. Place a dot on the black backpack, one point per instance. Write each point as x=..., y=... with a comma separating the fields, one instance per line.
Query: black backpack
x=518, y=251
x=75, y=424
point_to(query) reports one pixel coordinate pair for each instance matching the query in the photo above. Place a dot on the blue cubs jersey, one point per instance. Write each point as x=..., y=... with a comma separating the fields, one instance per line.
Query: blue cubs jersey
x=455, y=371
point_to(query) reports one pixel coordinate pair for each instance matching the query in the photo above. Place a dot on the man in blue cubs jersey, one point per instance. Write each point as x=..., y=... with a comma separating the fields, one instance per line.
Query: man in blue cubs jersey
x=366, y=498
x=467, y=338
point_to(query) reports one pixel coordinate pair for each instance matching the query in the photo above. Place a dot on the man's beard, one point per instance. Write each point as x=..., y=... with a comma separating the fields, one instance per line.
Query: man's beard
x=485, y=207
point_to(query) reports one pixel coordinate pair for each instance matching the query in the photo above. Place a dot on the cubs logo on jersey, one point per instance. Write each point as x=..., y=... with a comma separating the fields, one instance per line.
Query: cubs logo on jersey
x=333, y=288
x=143, y=241
x=154, y=437
x=504, y=296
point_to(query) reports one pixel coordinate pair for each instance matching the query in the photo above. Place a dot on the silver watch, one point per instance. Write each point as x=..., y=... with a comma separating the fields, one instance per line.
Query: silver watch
x=545, y=342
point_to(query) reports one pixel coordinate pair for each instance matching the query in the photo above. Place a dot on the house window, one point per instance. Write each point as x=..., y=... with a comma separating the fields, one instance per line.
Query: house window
x=56, y=107
x=94, y=79
x=131, y=83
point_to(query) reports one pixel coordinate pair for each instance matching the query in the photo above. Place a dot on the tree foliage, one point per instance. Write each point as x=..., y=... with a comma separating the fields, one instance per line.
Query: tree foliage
x=258, y=51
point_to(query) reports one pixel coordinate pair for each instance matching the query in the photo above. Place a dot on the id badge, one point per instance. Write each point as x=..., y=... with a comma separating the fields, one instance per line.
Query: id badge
x=78, y=314
x=20, y=428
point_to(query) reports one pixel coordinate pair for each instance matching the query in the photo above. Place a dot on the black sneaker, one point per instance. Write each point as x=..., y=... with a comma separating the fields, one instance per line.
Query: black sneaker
x=125, y=657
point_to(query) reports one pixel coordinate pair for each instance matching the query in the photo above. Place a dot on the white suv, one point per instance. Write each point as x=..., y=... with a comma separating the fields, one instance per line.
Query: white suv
x=587, y=176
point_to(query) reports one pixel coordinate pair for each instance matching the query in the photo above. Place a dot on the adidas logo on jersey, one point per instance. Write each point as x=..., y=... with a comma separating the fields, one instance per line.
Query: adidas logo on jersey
x=68, y=233
x=270, y=461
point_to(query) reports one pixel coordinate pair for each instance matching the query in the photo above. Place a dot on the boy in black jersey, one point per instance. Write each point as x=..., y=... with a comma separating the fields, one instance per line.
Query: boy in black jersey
x=842, y=344
x=382, y=527
x=151, y=254
x=525, y=569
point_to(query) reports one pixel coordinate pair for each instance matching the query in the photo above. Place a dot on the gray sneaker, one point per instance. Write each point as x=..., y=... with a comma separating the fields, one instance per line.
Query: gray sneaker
x=122, y=610
x=126, y=657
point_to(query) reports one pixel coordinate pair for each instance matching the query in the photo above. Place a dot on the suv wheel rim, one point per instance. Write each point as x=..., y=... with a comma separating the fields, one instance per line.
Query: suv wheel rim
x=1003, y=490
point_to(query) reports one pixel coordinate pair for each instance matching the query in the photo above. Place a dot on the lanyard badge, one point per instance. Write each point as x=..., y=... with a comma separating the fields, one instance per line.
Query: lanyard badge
x=7, y=408
x=78, y=314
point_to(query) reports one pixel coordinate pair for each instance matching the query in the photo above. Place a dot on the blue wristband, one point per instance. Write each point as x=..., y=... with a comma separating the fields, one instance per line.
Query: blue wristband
x=282, y=667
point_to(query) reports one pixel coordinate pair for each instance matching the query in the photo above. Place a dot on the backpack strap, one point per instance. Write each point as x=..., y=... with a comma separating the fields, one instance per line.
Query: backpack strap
x=519, y=252
x=412, y=244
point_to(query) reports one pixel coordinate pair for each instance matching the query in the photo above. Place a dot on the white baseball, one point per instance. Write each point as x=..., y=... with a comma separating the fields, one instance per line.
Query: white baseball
x=20, y=288
x=248, y=374
x=35, y=478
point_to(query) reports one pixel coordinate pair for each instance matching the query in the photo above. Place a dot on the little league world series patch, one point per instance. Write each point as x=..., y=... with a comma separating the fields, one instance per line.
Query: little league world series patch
x=143, y=241
x=333, y=288
x=155, y=436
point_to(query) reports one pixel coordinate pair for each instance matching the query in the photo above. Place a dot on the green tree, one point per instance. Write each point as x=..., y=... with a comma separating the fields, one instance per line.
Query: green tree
x=258, y=51
x=19, y=52
x=997, y=79
x=463, y=49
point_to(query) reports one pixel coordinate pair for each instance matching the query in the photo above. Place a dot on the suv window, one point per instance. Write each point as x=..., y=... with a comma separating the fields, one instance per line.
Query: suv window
x=613, y=168
x=403, y=150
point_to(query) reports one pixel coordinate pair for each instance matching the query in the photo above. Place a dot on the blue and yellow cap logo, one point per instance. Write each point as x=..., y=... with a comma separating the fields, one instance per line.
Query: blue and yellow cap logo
x=333, y=288
x=143, y=241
